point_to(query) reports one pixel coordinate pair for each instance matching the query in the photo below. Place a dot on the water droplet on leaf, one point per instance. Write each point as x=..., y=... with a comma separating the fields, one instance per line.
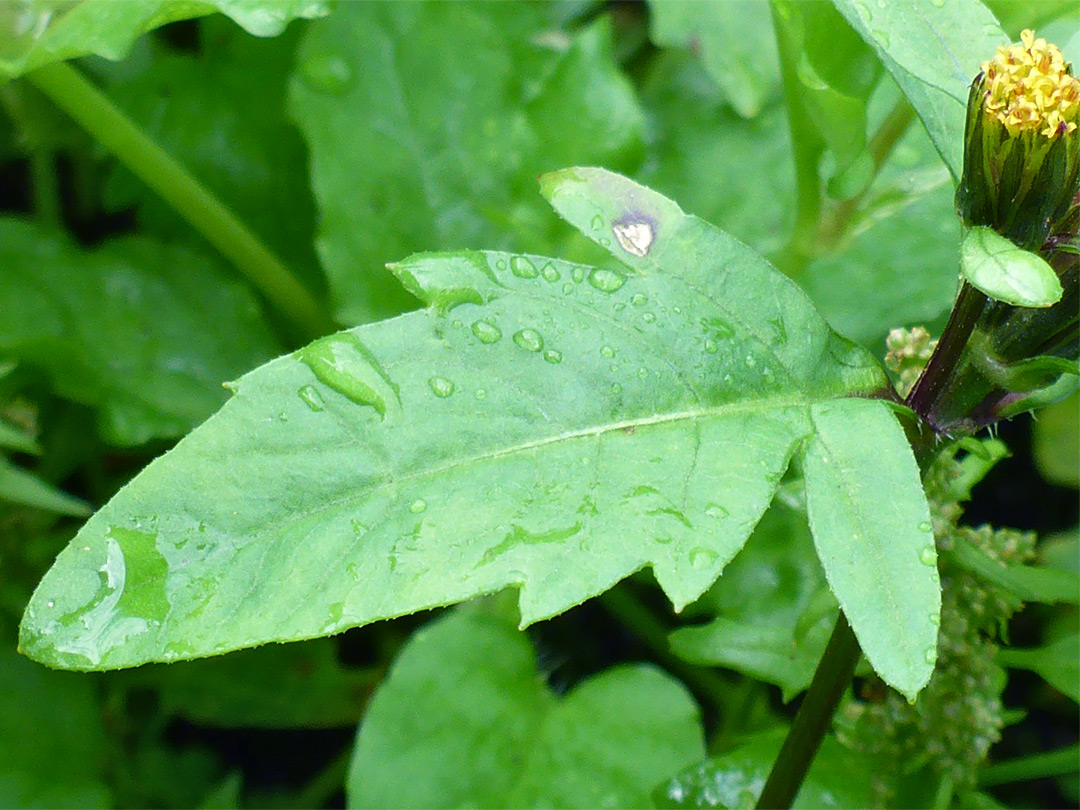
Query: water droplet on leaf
x=522, y=267
x=701, y=558
x=607, y=351
x=606, y=280
x=927, y=555
x=715, y=510
x=529, y=339
x=441, y=387
x=418, y=506
x=553, y=356
x=312, y=398
x=486, y=332
x=550, y=273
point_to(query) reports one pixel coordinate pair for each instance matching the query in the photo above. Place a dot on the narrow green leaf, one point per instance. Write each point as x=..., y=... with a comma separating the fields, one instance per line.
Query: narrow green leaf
x=1055, y=442
x=1029, y=583
x=1057, y=662
x=995, y=266
x=543, y=425
x=734, y=39
x=871, y=525
x=33, y=34
x=465, y=688
x=933, y=50
x=19, y=486
x=145, y=332
x=15, y=438
x=735, y=779
x=450, y=155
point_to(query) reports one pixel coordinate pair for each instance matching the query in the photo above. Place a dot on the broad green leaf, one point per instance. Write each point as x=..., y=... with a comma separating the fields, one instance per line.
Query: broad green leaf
x=1016, y=15
x=19, y=486
x=995, y=266
x=51, y=738
x=899, y=271
x=1057, y=662
x=736, y=173
x=933, y=50
x=734, y=39
x=15, y=438
x=760, y=603
x=466, y=689
x=874, y=538
x=428, y=124
x=144, y=332
x=542, y=425
x=221, y=114
x=1029, y=583
x=34, y=33
x=1055, y=442
x=276, y=686
x=735, y=779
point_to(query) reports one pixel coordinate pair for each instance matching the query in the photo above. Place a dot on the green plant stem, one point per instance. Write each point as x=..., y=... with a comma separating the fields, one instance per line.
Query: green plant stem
x=879, y=147
x=70, y=91
x=326, y=783
x=806, y=147
x=1062, y=762
x=939, y=372
x=640, y=621
x=831, y=678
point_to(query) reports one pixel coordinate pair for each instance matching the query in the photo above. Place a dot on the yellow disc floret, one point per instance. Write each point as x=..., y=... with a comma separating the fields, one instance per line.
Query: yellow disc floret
x=1030, y=87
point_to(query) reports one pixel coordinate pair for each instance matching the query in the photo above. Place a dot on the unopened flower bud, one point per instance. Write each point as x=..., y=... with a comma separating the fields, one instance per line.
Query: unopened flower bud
x=1021, y=156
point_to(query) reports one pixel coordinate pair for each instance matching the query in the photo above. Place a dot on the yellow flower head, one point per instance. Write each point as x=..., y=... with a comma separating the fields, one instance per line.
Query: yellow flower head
x=1030, y=87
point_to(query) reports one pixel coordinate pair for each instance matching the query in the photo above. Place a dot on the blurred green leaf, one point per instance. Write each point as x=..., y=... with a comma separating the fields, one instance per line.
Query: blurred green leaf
x=1030, y=583
x=995, y=266
x=144, y=332
x=736, y=173
x=933, y=50
x=15, y=438
x=1055, y=440
x=34, y=33
x=221, y=113
x=428, y=124
x=734, y=40
x=874, y=538
x=52, y=744
x=542, y=425
x=19, y=486
x=1057, y=662
x=276, y=686
x=465, y=689
x=735, y=779
x=760, y=601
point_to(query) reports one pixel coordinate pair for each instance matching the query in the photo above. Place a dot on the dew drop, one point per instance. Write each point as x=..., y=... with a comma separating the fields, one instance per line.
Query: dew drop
x=638, y=300
x=930, y=655
x=480, y=394
x=715, y=510
x=529, y=339
x=440, y=386
x=522, y=267
x=938, y=3
x=616, y=388
x=549, y=273
x=567, y=288
x=344, y=364
x=648, y=317
x=607, y=351
x=864, y=11
x=935, y=619
x=882, y=37
x=701, y=558
x=597, y=223
x=486, y=332
x=312, y=398
x=927, y=555
x=578, y=274
x=926, y=526
x=418, y=506
x=710, y=346
x=51, y=603
x=642, y=373
x=606, y=280
x=664, y=540
x=553, y=356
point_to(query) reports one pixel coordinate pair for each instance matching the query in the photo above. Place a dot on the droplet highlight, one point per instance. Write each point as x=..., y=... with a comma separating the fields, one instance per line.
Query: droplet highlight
x=529, y=339
x=441, y=387
x=486, y=332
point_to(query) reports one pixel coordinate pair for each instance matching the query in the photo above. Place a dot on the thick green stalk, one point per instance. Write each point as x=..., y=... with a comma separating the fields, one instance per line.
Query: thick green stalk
x=831, y=678
x=70, y=91
x=806, y=147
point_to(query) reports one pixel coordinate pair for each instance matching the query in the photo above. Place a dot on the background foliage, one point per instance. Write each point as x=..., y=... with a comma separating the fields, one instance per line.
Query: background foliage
x=350, y=137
